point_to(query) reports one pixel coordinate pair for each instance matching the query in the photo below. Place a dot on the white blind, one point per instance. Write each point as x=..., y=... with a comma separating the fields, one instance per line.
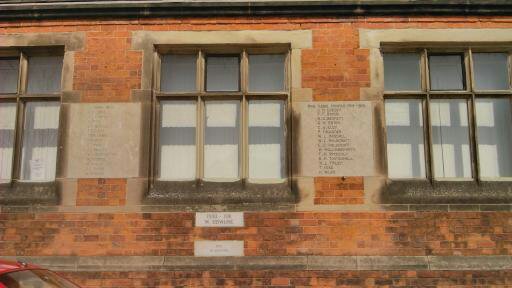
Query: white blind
x=405, y=144
x=494, y=128
x=40, y=135
x=266, y=139
x=178, y=140
x=222, y=73
x=7, y=125
x=178, y=73
x=446, y=72
x=222, y=137
x=402, y=72
x=266, y=73
x=491, y=71
x=450, y=138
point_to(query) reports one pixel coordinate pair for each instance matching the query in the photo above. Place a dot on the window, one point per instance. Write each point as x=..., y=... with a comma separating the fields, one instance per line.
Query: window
x=29, y=122
x=222, y=117
x=448, y=115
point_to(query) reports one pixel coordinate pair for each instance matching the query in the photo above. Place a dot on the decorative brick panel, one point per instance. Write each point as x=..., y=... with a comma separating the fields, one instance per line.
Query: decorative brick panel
x=339, y=190
x=101, y=192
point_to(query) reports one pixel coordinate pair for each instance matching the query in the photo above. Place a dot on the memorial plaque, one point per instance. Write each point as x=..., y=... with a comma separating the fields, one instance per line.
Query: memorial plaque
x=219, y=219
x=103, y=140
x=207, y=248
x=336, y=138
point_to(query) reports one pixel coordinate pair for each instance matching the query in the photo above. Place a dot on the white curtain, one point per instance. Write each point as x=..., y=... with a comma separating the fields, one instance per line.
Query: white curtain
x=446, y=72
x=266, y=73
x=222, y=137
x=9, y=78
x=494, y=128
x=7, y=125
x=178, y=73
x=178, y=140
x=450, y=138
x=402, y=72
x=40, y=134
x=266, y=139
x=44, y=74
x=405, y=144
x=491, y=71
x=222, y=73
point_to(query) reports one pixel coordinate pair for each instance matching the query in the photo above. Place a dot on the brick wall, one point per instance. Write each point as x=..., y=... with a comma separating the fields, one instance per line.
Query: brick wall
x=101, y=192
x=265, y=234
x=339, y=190
x=294, y=279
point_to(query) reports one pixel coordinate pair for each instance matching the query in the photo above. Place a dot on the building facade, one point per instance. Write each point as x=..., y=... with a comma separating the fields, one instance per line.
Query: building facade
x=258, y=143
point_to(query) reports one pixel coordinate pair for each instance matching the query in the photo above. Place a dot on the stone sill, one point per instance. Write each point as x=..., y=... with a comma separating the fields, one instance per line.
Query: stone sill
x=212, y=193
x=447, y=192
x=29, y=193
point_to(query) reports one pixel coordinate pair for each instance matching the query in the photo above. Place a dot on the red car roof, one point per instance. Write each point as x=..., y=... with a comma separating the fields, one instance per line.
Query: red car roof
x=9, y=266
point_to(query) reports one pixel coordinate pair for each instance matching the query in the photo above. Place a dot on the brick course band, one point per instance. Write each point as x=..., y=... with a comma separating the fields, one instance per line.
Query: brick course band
x=351, y=263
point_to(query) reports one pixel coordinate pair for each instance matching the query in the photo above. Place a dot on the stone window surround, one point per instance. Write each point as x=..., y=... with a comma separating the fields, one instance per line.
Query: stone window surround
x=425, y=192
x=147, y=41
x=20, y=193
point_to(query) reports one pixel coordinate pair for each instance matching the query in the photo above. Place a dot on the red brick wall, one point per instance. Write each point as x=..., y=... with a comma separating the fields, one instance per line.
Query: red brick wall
x=101, y=192
x=294, y=279
x=339, y=190
x=269, y=233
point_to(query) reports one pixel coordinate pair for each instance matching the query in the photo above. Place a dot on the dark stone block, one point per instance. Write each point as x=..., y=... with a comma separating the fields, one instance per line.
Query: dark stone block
x=449, y=192
x=200, y=192
x=28, y=194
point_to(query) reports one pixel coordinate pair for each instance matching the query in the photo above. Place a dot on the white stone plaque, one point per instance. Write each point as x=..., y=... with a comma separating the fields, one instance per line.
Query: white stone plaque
x=208, y=248
x=104, y=140
x=219, y=219
x=336, y=138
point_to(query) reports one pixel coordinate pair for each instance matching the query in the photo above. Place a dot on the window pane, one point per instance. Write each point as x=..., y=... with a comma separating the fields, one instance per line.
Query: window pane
x=494, y=128
x=266, y=73
x=222, y=137
x=178, y=140
x=402, y=72
x=9, y=75
x=44, y=74
x=178, y=73
x=40, y=133
x=222, y=73
x=450, y=138
x=267, y=143
x=446, y=72
x=405, y=147
x=7, y=125
x=491, y=72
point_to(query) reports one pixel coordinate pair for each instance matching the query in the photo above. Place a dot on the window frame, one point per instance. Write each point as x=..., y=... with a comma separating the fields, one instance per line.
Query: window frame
x=469, y=93
x=201, y=95
x=21, y=97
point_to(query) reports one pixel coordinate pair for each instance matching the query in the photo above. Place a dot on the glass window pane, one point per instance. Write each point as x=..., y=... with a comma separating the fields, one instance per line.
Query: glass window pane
x=494, y=128
x=221, y=137
x=222, y=73
x=405, y=147
x=446, y=72
x=402, y=72
x=450, y=138
x=178, y=140
x=7, y=125
x=178, y=73
x=44, y=74
x=40, y=134
x=267, y=143
x=266, y=73
x=491, y=72
x=9, y=75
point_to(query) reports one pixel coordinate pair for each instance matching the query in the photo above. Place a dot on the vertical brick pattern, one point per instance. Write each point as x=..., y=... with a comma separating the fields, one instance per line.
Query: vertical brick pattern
x=101, y=192
x=285, y=278
x=339, y=190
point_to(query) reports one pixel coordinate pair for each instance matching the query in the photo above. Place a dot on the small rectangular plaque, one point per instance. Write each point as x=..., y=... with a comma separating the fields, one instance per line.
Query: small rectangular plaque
x=220, y=219
x=208, y=248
